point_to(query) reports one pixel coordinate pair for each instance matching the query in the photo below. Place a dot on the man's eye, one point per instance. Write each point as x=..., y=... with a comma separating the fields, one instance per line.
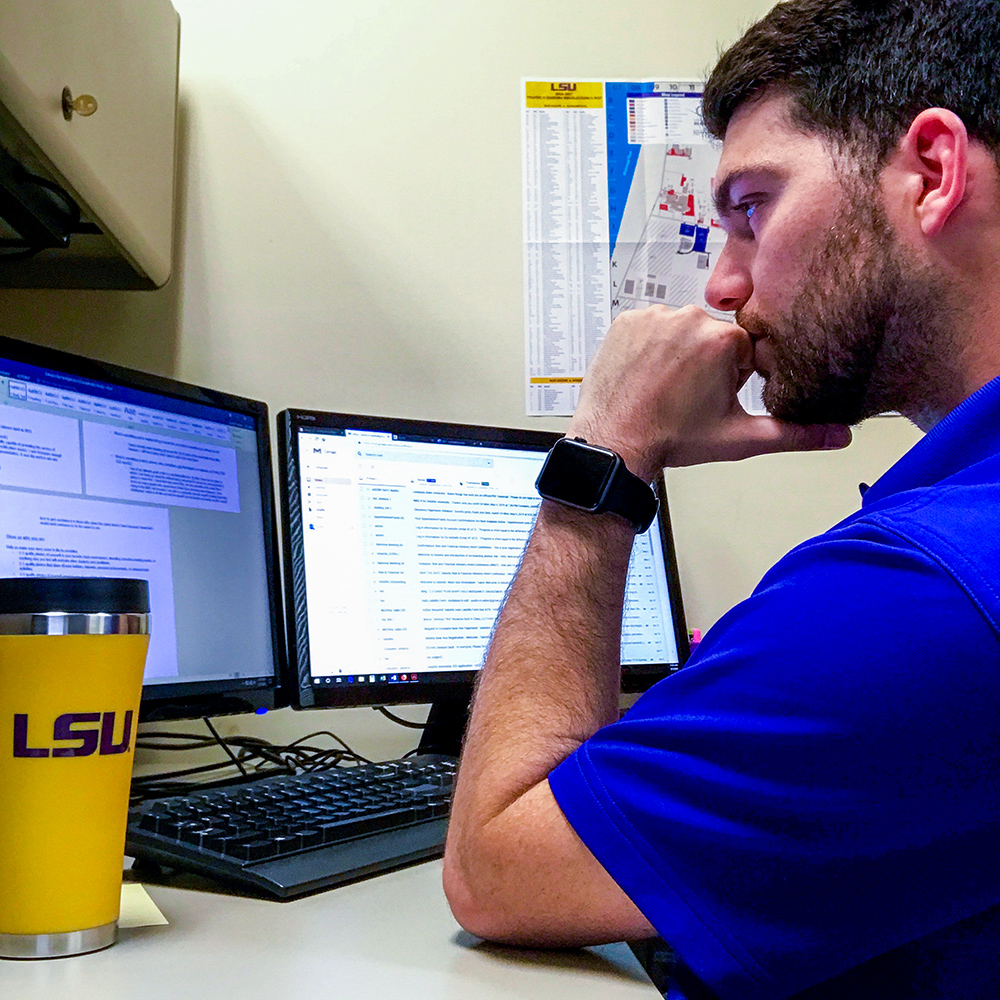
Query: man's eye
x=750, y=209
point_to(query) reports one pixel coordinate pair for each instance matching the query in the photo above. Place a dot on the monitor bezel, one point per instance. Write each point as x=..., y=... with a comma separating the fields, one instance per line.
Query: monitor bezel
x=193, y=699
x=455, y=687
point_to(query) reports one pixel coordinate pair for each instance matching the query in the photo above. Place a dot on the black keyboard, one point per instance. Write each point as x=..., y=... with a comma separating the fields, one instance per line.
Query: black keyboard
x=290, y=834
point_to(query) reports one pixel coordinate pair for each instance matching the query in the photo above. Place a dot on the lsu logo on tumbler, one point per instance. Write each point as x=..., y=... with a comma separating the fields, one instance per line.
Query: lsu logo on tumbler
x=92, y=732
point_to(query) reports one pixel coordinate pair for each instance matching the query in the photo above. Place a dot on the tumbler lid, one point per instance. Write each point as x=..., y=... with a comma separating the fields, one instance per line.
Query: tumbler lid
x=74, y=595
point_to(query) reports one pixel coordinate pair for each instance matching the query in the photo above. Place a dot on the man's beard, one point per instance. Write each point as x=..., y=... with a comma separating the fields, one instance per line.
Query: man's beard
x=865, y=333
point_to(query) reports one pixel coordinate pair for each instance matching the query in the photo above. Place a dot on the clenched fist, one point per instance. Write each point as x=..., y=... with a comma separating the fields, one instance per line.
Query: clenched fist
x=662, y=392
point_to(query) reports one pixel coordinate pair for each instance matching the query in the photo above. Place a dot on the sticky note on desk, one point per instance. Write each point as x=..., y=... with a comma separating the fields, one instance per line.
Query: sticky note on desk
x=138, y=909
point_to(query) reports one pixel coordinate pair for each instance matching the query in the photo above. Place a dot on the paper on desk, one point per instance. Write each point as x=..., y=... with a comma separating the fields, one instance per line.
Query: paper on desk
x=138, y=910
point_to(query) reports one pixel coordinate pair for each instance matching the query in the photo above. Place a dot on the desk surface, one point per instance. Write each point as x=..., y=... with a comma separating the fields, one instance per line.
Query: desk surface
x=390, y=936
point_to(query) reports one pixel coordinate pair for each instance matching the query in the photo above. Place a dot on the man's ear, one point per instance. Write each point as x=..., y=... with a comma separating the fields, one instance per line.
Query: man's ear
x=935, y=154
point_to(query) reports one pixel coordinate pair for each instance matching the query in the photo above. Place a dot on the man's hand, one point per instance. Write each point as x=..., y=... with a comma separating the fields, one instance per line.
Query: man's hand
x=662, y=392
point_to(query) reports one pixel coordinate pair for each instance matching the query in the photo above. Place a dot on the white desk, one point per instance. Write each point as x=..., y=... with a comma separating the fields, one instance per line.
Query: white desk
x=391, y=936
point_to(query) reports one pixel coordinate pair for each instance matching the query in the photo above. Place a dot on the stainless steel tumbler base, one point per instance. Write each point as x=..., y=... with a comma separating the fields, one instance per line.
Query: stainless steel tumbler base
x=58, y=945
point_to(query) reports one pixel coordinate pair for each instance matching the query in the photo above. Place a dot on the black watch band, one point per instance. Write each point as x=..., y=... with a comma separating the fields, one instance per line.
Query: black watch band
x=631, y=498
x=596, y=480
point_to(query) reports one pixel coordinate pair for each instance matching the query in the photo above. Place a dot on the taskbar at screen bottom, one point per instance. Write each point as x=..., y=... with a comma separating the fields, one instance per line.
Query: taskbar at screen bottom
x=409, y=688
x=343, y=680
x=430, y=685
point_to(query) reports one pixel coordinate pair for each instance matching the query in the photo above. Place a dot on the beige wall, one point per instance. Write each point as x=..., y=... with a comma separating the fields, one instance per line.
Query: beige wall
x=349, y=227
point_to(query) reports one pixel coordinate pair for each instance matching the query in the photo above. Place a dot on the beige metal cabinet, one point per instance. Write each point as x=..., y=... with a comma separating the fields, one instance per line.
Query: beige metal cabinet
x=117, y=164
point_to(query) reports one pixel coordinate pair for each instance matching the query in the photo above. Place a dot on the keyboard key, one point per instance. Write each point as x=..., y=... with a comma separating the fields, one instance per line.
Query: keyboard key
x=310, y=838
x=253, y=850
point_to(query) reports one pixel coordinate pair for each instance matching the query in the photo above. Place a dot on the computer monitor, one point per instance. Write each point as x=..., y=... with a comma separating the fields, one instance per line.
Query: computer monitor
x=110, y=472
x=400, y=540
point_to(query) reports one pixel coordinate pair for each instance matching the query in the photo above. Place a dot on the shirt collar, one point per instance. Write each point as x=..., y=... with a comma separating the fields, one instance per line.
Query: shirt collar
x=968, y=434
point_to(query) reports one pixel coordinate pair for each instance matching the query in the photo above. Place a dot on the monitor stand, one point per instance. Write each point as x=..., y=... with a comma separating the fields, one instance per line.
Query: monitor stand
x=445, y=727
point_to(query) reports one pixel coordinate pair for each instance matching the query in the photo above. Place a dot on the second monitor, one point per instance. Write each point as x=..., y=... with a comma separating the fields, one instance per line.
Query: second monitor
x=400, y=540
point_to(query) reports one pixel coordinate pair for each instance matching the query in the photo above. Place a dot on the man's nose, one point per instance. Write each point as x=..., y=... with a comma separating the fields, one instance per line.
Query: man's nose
x=729, y=287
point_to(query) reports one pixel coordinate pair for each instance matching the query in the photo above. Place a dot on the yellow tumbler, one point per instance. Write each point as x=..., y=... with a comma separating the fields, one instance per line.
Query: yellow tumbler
x=72, y=653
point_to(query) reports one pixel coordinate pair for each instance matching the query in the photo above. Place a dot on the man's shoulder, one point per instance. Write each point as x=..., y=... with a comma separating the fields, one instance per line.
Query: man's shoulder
x=953, y=525
x=937, y=545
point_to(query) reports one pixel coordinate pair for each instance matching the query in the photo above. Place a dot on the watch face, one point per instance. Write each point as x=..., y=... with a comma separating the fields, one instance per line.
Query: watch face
x=577, y=474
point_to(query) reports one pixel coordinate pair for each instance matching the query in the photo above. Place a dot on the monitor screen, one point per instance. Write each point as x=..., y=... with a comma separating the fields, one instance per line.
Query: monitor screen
x=401, y=538
x=110, y=472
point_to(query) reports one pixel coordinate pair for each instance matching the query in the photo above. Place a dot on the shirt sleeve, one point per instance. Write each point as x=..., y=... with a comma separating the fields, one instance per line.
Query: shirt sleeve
x=819, y=784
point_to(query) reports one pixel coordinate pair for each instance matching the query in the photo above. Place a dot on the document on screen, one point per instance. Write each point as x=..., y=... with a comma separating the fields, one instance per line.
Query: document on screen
x=128, y=464
x=70, y=536
x=40, y=451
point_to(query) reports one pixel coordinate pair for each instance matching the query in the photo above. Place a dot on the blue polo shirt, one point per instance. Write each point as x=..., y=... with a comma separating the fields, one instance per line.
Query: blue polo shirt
x=815, y=797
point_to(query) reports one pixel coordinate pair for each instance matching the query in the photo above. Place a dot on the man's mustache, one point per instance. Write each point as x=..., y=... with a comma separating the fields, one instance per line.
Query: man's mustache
x=754, y=325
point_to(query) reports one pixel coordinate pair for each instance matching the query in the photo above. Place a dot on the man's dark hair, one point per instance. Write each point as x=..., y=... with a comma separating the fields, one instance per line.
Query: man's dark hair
x=859, y=73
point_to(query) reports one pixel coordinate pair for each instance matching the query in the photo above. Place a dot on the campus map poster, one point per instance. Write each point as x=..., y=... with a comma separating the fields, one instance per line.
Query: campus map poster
x=618, y=215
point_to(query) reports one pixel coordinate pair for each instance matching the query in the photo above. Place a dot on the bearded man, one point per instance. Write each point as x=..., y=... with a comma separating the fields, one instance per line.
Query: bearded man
x=810, y=807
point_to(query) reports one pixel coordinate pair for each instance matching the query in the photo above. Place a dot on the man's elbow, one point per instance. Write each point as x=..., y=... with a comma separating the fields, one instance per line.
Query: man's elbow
x=468, y=907
x=475, y=906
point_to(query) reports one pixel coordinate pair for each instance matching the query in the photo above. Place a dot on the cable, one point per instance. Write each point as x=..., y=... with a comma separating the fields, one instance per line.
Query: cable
x=252, y=757
x=225, y=746
x=19, y=253
x=71, y=207
x=71, y=224
x=398, y=720
x=313, y=758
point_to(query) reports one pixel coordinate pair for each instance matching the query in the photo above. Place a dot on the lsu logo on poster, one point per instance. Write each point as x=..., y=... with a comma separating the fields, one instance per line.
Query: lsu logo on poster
x=564, y=94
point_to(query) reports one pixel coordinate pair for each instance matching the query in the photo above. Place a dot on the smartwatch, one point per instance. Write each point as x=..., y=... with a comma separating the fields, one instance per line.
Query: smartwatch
x=593, y=479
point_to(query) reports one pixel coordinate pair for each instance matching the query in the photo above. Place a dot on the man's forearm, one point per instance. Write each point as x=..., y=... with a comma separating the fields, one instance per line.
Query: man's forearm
x=552, y=673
